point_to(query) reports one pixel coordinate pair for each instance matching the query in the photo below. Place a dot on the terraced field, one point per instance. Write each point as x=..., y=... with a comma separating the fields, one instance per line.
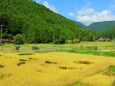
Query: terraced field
x=55, y=69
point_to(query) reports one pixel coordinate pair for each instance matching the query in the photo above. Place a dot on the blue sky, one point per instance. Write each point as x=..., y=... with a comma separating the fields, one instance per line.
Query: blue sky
x=85, y=11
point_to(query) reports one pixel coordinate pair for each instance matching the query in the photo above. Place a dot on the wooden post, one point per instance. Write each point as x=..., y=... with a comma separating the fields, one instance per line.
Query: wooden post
x=1, y=36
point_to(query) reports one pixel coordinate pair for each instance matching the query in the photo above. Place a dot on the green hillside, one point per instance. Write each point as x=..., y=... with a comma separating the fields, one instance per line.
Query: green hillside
x=80, y=24
x=109, y=34
x=38, y=24
x=102, y=26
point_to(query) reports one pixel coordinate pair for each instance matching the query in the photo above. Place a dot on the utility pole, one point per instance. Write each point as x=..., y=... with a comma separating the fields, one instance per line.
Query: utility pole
x=1, y=36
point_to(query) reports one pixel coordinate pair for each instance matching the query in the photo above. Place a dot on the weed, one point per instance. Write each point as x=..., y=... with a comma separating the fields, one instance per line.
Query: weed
x=1, y=76
x=111, y=68
x=1, y=66
x=4, y=75
x=110, y=71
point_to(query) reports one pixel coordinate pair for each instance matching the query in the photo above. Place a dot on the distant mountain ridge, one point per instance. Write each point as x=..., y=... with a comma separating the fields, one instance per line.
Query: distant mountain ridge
x=99, y=26
x=80, y=24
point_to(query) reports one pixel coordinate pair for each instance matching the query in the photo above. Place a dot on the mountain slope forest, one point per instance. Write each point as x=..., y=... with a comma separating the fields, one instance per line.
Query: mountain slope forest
x=80, y=24
x=101, y=26
x=38, y=24
x=109, y=33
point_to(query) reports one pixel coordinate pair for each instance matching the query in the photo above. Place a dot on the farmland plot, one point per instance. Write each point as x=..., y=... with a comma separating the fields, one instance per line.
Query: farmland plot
x=54, y=69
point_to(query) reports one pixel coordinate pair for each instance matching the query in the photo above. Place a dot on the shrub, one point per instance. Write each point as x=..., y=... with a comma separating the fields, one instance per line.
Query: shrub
x=76, y=41
x=68, y=41
x=56, y=42
x=19, y=39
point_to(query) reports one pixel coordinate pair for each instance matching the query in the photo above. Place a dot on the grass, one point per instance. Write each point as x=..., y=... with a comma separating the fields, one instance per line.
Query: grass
x=77, y=84
x=102, y=45
x=111, y=68
x=5, y=75
x=90, y=52
x=92, y=48
x=97, y=44
x=110, y=71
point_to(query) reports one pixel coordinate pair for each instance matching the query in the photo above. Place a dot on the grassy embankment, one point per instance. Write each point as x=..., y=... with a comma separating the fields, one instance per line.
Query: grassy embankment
x=92, y=48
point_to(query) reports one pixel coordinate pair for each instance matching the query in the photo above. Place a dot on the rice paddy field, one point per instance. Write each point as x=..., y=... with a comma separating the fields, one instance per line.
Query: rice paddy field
x=54, y=68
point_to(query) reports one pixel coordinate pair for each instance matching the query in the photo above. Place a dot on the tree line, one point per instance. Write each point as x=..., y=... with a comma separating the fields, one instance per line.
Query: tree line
x=109, y=34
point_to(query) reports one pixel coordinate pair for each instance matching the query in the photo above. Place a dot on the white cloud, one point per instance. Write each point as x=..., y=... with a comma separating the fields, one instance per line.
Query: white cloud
x=51, y=7
x=89, y=15
x=71, y=14
x=88, y=11
x=37, y=1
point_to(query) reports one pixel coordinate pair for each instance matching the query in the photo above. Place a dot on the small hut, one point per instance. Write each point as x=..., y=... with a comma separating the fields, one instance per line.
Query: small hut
x=5, y=40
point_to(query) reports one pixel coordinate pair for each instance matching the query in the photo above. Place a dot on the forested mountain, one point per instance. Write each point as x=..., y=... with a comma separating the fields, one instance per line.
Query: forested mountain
x=109, y=34
x=80, y=24
x=101, y=26
x=38, y=24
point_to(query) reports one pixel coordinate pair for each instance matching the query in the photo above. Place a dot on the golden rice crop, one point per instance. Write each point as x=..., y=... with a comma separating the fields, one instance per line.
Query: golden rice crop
x=54, y=69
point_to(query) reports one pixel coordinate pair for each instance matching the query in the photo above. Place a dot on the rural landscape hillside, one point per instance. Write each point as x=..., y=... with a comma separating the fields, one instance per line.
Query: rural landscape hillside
x=38, y=24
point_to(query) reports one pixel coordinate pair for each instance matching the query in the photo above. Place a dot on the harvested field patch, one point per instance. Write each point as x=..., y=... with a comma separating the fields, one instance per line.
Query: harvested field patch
x=56, y=69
